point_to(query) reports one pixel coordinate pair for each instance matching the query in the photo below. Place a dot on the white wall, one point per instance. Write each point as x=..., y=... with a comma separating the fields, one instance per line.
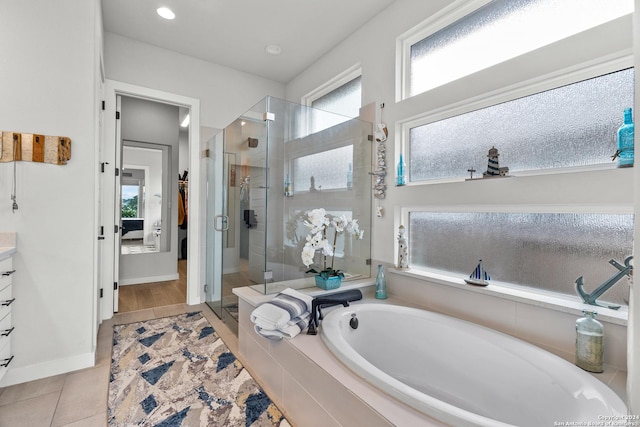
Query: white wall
x=374, y=47
x=48, y=86
x=224, y=93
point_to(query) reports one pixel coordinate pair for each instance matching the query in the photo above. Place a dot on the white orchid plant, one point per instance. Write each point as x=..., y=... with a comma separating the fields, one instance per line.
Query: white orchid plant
x=318, y=222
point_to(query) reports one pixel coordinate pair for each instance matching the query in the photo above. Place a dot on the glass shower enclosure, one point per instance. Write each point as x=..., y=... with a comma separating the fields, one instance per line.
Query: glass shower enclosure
x=264, y=172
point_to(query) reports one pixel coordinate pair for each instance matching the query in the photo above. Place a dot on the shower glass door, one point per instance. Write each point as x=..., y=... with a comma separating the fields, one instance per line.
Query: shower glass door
x=213, y=284
x=236, y=211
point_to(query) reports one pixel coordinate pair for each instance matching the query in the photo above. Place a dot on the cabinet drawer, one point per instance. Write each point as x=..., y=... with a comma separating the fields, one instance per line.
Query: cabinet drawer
x=5, y=358
x=6, y=275
x=5, y=301
x=5, y=330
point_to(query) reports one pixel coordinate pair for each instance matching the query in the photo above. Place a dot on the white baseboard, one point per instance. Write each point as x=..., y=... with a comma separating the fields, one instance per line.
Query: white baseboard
x=148, y=279
x=37, y=371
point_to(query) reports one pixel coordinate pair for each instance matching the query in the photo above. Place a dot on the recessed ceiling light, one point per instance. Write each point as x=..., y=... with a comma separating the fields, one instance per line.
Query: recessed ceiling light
x=273, y=49
x=242, y=123
x=166, y=13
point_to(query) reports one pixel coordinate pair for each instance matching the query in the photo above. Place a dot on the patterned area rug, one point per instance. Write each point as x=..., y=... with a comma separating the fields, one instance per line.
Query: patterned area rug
x=176, y=371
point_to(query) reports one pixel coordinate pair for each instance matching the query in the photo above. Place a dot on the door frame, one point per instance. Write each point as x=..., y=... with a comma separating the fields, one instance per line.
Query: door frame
x=113, y=88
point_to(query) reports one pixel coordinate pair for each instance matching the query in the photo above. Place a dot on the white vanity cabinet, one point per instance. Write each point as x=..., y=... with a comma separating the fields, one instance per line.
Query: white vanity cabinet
x=6, y=305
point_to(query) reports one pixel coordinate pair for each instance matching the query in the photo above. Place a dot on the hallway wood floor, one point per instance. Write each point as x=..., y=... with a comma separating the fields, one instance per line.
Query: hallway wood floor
x=155, y=294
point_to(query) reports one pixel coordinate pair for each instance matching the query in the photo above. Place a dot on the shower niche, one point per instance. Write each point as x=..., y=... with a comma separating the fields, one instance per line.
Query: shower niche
x=264, y=171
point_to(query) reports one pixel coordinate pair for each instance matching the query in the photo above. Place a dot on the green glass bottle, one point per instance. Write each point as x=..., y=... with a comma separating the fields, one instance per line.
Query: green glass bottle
x=381, y=283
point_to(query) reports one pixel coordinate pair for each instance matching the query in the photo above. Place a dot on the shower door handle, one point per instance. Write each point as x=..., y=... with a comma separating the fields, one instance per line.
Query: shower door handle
x=223, y=220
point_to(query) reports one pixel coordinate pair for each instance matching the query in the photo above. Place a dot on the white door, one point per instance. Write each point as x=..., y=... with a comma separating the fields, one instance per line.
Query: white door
x=118, y=207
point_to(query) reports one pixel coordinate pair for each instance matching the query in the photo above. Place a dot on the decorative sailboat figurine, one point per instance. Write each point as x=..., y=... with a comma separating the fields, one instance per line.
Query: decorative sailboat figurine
x=479, y=277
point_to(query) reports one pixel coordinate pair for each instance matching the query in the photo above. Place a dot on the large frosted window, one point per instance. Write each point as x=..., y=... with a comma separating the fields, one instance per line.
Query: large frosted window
x=345, y=100
x=540, y=250
x=327, y=170
x=573, y=125
x=501, y=30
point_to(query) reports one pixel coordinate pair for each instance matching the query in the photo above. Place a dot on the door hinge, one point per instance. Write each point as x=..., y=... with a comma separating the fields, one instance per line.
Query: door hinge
x=268, y=117
x=206, y=288
x=103, y=105
x=115, y=286
x=117, y=115
x=101, y=292
x=117, y=171
x=116, y=228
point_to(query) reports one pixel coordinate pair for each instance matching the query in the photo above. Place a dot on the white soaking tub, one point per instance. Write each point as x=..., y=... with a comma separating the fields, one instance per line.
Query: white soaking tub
x=464, y=374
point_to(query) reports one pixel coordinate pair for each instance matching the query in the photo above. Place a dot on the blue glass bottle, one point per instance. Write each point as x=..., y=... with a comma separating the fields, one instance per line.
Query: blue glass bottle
x=288, y=187
x=400, y=179
x=625, y=141
x=381, y=283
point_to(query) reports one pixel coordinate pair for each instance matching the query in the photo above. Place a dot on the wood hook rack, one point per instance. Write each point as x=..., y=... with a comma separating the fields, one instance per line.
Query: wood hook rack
x=31, y=147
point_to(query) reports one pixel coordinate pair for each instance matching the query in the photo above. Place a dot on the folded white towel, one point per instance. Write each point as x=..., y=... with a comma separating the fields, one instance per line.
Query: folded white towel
x=285, y=316
x=287, y=305
x=293, y=328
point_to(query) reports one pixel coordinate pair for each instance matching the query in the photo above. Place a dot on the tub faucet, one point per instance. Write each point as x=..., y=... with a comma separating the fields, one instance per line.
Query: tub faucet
x=339, y=298
x=624, y=270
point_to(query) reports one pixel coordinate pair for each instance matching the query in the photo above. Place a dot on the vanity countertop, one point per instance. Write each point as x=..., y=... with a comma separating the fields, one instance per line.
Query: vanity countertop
x=7, y=244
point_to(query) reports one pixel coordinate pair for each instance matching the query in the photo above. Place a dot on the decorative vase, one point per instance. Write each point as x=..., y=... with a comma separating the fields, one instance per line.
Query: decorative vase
x=331, y=282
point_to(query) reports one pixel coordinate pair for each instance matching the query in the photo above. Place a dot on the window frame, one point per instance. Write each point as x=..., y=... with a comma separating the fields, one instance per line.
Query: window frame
x=526, y=88
x=511, y=291
x=446, y=16
x=332, y=84
x=450, y=14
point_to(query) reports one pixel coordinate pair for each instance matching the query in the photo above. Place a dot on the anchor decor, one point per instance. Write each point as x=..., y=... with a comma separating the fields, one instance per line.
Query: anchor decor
x=623, y=270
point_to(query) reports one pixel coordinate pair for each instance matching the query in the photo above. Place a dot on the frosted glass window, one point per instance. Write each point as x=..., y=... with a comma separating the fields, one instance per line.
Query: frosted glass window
x=501, y=30
x=326, y=170
x=345, y=100
x=540, y=250
x=573, y=125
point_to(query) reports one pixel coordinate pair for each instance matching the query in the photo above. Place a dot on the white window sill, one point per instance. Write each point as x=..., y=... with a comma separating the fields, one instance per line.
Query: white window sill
x=528, y=173
x=552, y=301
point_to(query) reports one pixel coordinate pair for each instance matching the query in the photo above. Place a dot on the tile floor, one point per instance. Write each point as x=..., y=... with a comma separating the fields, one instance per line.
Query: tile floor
x=79, y=398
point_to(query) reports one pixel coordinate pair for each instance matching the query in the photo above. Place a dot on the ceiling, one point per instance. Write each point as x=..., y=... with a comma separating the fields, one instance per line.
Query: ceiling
x=234, y=33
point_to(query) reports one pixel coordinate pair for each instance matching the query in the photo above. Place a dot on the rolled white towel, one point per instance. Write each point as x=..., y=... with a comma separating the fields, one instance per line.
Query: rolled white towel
x=277, y=313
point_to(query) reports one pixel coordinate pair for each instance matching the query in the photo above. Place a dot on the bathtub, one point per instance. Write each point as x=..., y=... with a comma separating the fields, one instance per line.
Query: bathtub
x=464, y=374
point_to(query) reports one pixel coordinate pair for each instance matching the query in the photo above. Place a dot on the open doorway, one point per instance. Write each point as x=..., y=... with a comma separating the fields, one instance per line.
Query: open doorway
x=151, y=195
x=160, y=236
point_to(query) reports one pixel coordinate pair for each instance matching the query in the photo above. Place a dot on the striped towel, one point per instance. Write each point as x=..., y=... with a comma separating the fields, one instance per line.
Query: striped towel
x=285, y=316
